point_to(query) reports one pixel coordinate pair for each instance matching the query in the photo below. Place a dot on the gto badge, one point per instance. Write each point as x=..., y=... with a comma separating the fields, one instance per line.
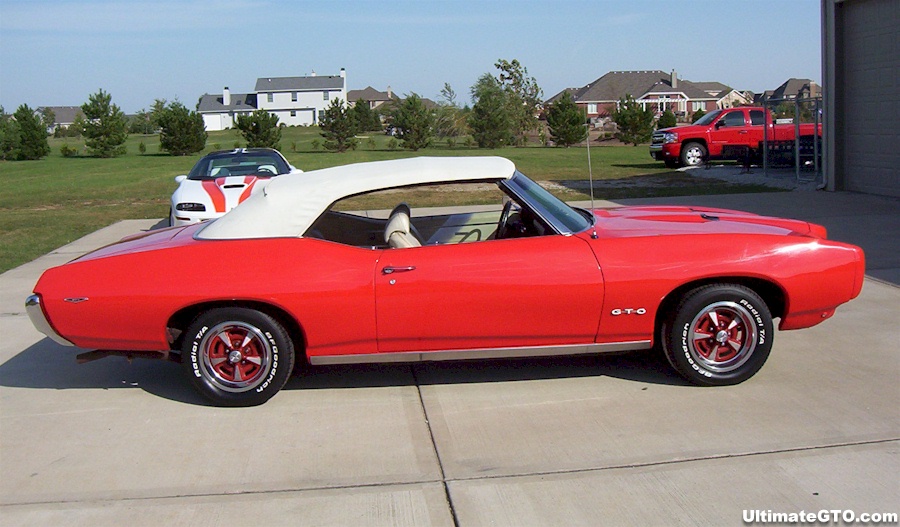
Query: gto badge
x=76, y=300
x=628, y=311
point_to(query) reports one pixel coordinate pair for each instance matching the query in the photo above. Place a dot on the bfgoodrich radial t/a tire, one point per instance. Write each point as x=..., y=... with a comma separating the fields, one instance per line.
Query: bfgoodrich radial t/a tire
x=237, y=356
x=720, y=334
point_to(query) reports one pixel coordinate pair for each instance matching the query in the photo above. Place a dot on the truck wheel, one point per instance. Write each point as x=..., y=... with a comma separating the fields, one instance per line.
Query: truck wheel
x=693, y=154
x=719, y=334
x=237, y=356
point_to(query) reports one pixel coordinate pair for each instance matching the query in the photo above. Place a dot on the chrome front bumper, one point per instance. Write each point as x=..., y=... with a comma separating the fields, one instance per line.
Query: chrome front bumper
x=39, y=319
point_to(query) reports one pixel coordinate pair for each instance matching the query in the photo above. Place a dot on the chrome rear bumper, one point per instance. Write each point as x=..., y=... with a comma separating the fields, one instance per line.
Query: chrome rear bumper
x=39, y=319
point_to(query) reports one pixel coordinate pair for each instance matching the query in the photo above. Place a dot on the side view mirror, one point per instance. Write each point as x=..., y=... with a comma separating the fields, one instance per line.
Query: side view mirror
x=179, y=179
x=720, y=124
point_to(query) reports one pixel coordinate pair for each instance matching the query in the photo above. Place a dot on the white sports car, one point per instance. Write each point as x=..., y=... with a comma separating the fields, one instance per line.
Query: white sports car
x=222, y=180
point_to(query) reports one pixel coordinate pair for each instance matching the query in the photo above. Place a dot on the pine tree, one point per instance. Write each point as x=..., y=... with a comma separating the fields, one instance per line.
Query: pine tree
x=32, y=134
x=10, y=139
x=490, y=120
x=414, y=123
x=566, y=121
x=105, y=126
x=337, y=127
x=182, y=131
x=260, y=129
x=635, y=123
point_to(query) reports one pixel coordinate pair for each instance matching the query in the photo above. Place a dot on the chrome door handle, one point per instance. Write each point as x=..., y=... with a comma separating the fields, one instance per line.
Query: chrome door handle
x=392, y=270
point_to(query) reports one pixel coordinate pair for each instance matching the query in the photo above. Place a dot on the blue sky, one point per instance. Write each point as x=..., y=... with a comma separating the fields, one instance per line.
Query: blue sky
x=58, y=52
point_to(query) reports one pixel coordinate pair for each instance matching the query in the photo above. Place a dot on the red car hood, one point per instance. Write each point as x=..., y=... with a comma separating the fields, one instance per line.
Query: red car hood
x=652, y=221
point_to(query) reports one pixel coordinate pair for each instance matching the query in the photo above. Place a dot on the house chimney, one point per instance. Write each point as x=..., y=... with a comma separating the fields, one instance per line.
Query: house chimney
x=674, y=79
x=226, y=97
x=390, y=95
x=343, y=73
x=313, y=74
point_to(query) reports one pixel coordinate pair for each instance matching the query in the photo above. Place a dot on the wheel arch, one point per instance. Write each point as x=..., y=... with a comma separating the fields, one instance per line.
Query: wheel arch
x=178, y=323
x=771, y=293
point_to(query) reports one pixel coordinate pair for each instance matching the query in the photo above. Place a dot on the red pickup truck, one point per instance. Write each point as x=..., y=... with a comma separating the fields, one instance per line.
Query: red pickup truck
x=732, y=133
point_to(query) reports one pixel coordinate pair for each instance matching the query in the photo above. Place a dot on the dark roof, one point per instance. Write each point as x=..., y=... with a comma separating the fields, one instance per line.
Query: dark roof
x=792, y=88
x=616, y=84
x=713, y=87
x=368, y=94
x=324, y=82
x=64, y=114
x=239, y=102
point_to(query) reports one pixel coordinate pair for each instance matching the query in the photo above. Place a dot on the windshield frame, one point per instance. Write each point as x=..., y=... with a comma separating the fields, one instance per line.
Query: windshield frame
x=708, y=118
x=200, y=171
x=558, y=214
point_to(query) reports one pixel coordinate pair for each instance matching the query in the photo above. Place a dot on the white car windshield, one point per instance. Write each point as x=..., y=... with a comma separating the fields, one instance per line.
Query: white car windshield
x=262, y=164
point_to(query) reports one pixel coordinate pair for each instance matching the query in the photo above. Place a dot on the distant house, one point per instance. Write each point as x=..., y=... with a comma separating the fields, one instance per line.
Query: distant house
x=374, y=97
x=220, y=111
x=64, y=116
x=726, y=96
x=294, y=100
x=654, y=89
x=797, y=89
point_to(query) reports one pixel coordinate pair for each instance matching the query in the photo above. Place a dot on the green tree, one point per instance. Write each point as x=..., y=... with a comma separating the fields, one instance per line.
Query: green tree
x=48, y=118
x=450, y=119
x=182, y=131
x=10, y=139
x=337, y=127
x=635, y=122
x=156, y=111
x=140, y=123
x=524, y=97
x=260, y=129
x=566, y=121
x=414, y=123
x=105, y=127
x=32, y=134
x=697, y=115
x=364, y=117
x=666, y=120
x=489, y=119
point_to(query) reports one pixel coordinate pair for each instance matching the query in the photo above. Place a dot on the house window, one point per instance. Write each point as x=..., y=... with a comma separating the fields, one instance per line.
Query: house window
x=270, y=97
x=592, y=108
x=324, y=95
x=293, y=113
x=697, y=105
x=293, y=96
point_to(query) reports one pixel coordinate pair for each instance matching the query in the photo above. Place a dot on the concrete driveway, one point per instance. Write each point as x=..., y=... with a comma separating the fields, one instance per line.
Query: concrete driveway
x=574, y=441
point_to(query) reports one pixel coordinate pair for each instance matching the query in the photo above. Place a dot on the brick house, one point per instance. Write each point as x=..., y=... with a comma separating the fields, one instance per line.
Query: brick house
x=654, y=89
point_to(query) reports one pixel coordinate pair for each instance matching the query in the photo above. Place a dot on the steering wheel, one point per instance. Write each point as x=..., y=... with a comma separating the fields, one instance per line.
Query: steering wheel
x=502, y=225
x=263, y=171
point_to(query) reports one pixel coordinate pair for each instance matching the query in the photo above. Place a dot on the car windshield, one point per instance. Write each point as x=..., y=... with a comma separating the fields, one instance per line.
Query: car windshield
x=264, y=164
x=708, y=118
x=563, y=217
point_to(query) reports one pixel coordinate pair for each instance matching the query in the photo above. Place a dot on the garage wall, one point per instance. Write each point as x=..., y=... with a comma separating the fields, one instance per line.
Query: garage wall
x=866, y=91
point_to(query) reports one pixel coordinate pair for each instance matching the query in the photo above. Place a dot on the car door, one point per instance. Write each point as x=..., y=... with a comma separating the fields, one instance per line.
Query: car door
x=730, y=129
x=539, y=291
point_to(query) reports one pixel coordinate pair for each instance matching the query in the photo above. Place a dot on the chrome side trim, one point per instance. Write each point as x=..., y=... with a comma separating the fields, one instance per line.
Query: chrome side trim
x=40, y=322
x=488, y=353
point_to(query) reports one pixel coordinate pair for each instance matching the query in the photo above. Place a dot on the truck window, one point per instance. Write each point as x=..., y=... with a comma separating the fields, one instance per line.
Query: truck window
x=756, y=117
x=734, y=119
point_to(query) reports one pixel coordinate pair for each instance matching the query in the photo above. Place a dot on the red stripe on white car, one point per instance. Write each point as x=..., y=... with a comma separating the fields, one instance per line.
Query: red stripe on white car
x=213, y=188
x=250, y=181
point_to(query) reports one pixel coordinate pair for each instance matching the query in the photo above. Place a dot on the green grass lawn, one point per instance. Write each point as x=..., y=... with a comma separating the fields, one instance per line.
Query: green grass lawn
x=48, y=203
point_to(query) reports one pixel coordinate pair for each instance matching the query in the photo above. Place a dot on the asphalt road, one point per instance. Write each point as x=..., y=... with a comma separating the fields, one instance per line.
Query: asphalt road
x=568, y=441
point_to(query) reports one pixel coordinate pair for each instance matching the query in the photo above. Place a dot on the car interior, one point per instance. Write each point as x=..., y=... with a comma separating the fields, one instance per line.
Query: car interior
x=404, y=228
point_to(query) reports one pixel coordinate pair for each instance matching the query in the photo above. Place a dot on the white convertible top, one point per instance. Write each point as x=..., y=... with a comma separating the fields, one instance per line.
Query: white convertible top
x=291, y=203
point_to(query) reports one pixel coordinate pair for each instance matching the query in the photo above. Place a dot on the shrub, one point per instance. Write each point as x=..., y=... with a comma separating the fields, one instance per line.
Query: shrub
x=68, y=151
x=666, y=120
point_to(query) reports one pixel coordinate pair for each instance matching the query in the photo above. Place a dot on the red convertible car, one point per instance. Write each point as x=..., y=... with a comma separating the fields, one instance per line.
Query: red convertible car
x=305, y=271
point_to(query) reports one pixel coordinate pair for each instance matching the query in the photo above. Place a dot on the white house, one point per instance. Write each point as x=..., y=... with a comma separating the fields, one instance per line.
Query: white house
x=294, y=100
